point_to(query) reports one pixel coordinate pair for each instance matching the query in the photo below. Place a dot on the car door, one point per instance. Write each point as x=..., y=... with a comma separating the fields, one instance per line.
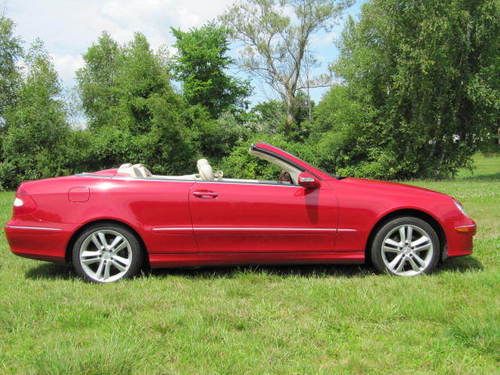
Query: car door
x=161, y=209
x=262, y=217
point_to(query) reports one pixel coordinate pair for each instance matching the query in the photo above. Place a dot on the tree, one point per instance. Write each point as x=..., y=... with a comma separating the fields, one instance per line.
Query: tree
x=201, y=64
x=277, y=42
x=271, y=116
x=427, y=74
x=137, y=116
x=142, y=80
x=97, y=80
x=10, y=52
x=34, y=143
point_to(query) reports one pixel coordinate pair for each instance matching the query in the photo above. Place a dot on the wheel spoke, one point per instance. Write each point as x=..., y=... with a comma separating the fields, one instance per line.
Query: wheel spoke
x=395, y=261
x=121, y=260
x=91, y=260
x=427, y=246
x=118, y=266
x=414, y=265
x=90, y=254
x=120, y=247
x=98, y=273
x=96, y=242
x=420, y=241
x=402, y=234
x=390, y=249
x=106, y=269
x=419, y=260
x=115, y=242
x=409, y=233
x=390, y=242
x=401, y=265
x=102, y=239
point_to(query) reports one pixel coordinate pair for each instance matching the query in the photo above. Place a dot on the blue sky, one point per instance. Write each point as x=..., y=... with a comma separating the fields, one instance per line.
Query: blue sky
x=69, y=27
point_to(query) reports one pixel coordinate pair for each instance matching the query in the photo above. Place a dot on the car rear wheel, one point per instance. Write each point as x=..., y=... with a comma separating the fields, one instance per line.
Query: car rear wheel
x=106, y=253
x=405, y=246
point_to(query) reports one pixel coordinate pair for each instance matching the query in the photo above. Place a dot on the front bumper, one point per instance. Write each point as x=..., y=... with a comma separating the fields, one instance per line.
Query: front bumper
x=460, y=238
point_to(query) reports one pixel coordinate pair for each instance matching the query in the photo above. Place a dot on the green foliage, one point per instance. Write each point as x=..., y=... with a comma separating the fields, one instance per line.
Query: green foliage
x=10, y=52
x=136, y=115
x=97, y=81
x=34, y=142
x=201, y=65
x=270, y=116
x=424, y=72
x=240, y=164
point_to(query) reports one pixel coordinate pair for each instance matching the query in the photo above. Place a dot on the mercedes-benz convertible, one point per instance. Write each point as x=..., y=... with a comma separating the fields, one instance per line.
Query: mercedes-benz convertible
x=111, y=223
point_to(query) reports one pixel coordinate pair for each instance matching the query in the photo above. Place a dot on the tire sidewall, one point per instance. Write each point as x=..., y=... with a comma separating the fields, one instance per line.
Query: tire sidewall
x=376, y=248
x=137, y=253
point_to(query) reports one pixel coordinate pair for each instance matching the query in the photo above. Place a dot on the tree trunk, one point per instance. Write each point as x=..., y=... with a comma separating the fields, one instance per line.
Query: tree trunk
x=290, y=118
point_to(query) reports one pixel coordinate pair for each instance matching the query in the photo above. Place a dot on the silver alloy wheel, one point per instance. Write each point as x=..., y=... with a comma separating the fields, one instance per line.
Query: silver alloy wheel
x=407, y=250
x=105, y=255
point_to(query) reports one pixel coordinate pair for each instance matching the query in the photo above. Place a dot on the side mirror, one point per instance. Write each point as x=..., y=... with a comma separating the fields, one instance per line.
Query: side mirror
x=308, y=181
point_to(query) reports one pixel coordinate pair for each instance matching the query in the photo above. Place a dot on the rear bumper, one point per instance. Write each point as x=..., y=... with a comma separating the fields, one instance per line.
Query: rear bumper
x=36, y=241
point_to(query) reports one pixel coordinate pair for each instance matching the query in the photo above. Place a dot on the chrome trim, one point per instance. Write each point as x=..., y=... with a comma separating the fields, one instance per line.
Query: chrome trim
x=278, y=229
x=306, y=179
x=266, y=229
x=164, y=229
x=120, y=178
x=32, y=228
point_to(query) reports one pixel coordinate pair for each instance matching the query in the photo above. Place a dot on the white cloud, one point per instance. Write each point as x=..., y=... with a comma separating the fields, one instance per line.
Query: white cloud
x=324, y=39
x=66, y=65
x=69, y=27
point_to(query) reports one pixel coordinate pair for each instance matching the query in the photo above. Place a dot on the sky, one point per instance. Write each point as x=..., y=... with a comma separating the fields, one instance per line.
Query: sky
x=69, y=27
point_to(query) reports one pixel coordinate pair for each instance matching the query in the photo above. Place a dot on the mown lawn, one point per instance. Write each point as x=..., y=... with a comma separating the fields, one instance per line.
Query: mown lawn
x=301, y=319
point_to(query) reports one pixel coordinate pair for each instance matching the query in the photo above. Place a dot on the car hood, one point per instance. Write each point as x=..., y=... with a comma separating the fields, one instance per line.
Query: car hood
x=394, y=187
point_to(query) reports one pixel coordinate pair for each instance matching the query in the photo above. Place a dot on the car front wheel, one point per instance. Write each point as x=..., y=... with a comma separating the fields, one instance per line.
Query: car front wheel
x=405, y=246
x=107, y=252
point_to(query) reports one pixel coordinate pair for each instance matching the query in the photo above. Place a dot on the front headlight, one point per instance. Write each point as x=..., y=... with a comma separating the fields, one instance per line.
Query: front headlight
x=460, y=207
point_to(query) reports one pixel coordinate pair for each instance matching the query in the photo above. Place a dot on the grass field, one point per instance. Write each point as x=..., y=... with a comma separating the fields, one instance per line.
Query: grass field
x=301, y=319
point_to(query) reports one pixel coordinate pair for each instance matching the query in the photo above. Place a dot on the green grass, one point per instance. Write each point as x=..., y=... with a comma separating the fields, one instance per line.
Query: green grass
x=301, y=319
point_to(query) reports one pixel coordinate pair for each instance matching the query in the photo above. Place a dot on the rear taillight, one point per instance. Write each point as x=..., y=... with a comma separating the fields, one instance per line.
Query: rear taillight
x=23, y=204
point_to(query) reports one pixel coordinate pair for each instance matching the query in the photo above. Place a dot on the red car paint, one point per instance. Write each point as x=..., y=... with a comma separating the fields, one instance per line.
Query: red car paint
x=191, y=223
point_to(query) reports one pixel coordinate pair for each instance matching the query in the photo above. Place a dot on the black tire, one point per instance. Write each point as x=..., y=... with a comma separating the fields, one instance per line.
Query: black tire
x=132, y=252
x=384, y=257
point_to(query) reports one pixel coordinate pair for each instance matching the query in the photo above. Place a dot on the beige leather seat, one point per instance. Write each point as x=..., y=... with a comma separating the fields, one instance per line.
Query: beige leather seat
x=205, y=170
x=136, y=170
x=139, y=171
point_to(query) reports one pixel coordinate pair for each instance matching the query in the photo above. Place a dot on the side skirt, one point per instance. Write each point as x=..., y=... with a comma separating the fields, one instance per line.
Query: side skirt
x=213, y=259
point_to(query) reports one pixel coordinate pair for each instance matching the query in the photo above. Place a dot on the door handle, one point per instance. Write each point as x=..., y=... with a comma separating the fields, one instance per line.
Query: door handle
x=205, y=194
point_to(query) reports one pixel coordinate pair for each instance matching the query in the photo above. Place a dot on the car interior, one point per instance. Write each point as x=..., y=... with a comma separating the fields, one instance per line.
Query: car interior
x=288, y=175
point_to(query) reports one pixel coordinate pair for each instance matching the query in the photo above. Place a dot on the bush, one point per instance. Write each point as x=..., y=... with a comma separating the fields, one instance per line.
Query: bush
x=240, y=164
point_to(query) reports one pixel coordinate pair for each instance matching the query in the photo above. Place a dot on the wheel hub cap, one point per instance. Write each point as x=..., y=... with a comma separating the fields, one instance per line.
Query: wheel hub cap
x=105, y=255
x=407, y=250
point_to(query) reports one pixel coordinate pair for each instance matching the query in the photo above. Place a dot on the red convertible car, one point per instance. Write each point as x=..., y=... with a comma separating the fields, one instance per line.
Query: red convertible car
x=110, y=223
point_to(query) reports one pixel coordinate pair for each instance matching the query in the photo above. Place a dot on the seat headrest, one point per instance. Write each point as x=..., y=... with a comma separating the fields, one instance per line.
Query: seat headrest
x=136, y=170
x=205, y=170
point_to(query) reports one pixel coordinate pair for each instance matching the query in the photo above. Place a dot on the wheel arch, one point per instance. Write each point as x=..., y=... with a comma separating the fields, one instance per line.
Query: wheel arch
x=87, y=225
x=433, y=222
